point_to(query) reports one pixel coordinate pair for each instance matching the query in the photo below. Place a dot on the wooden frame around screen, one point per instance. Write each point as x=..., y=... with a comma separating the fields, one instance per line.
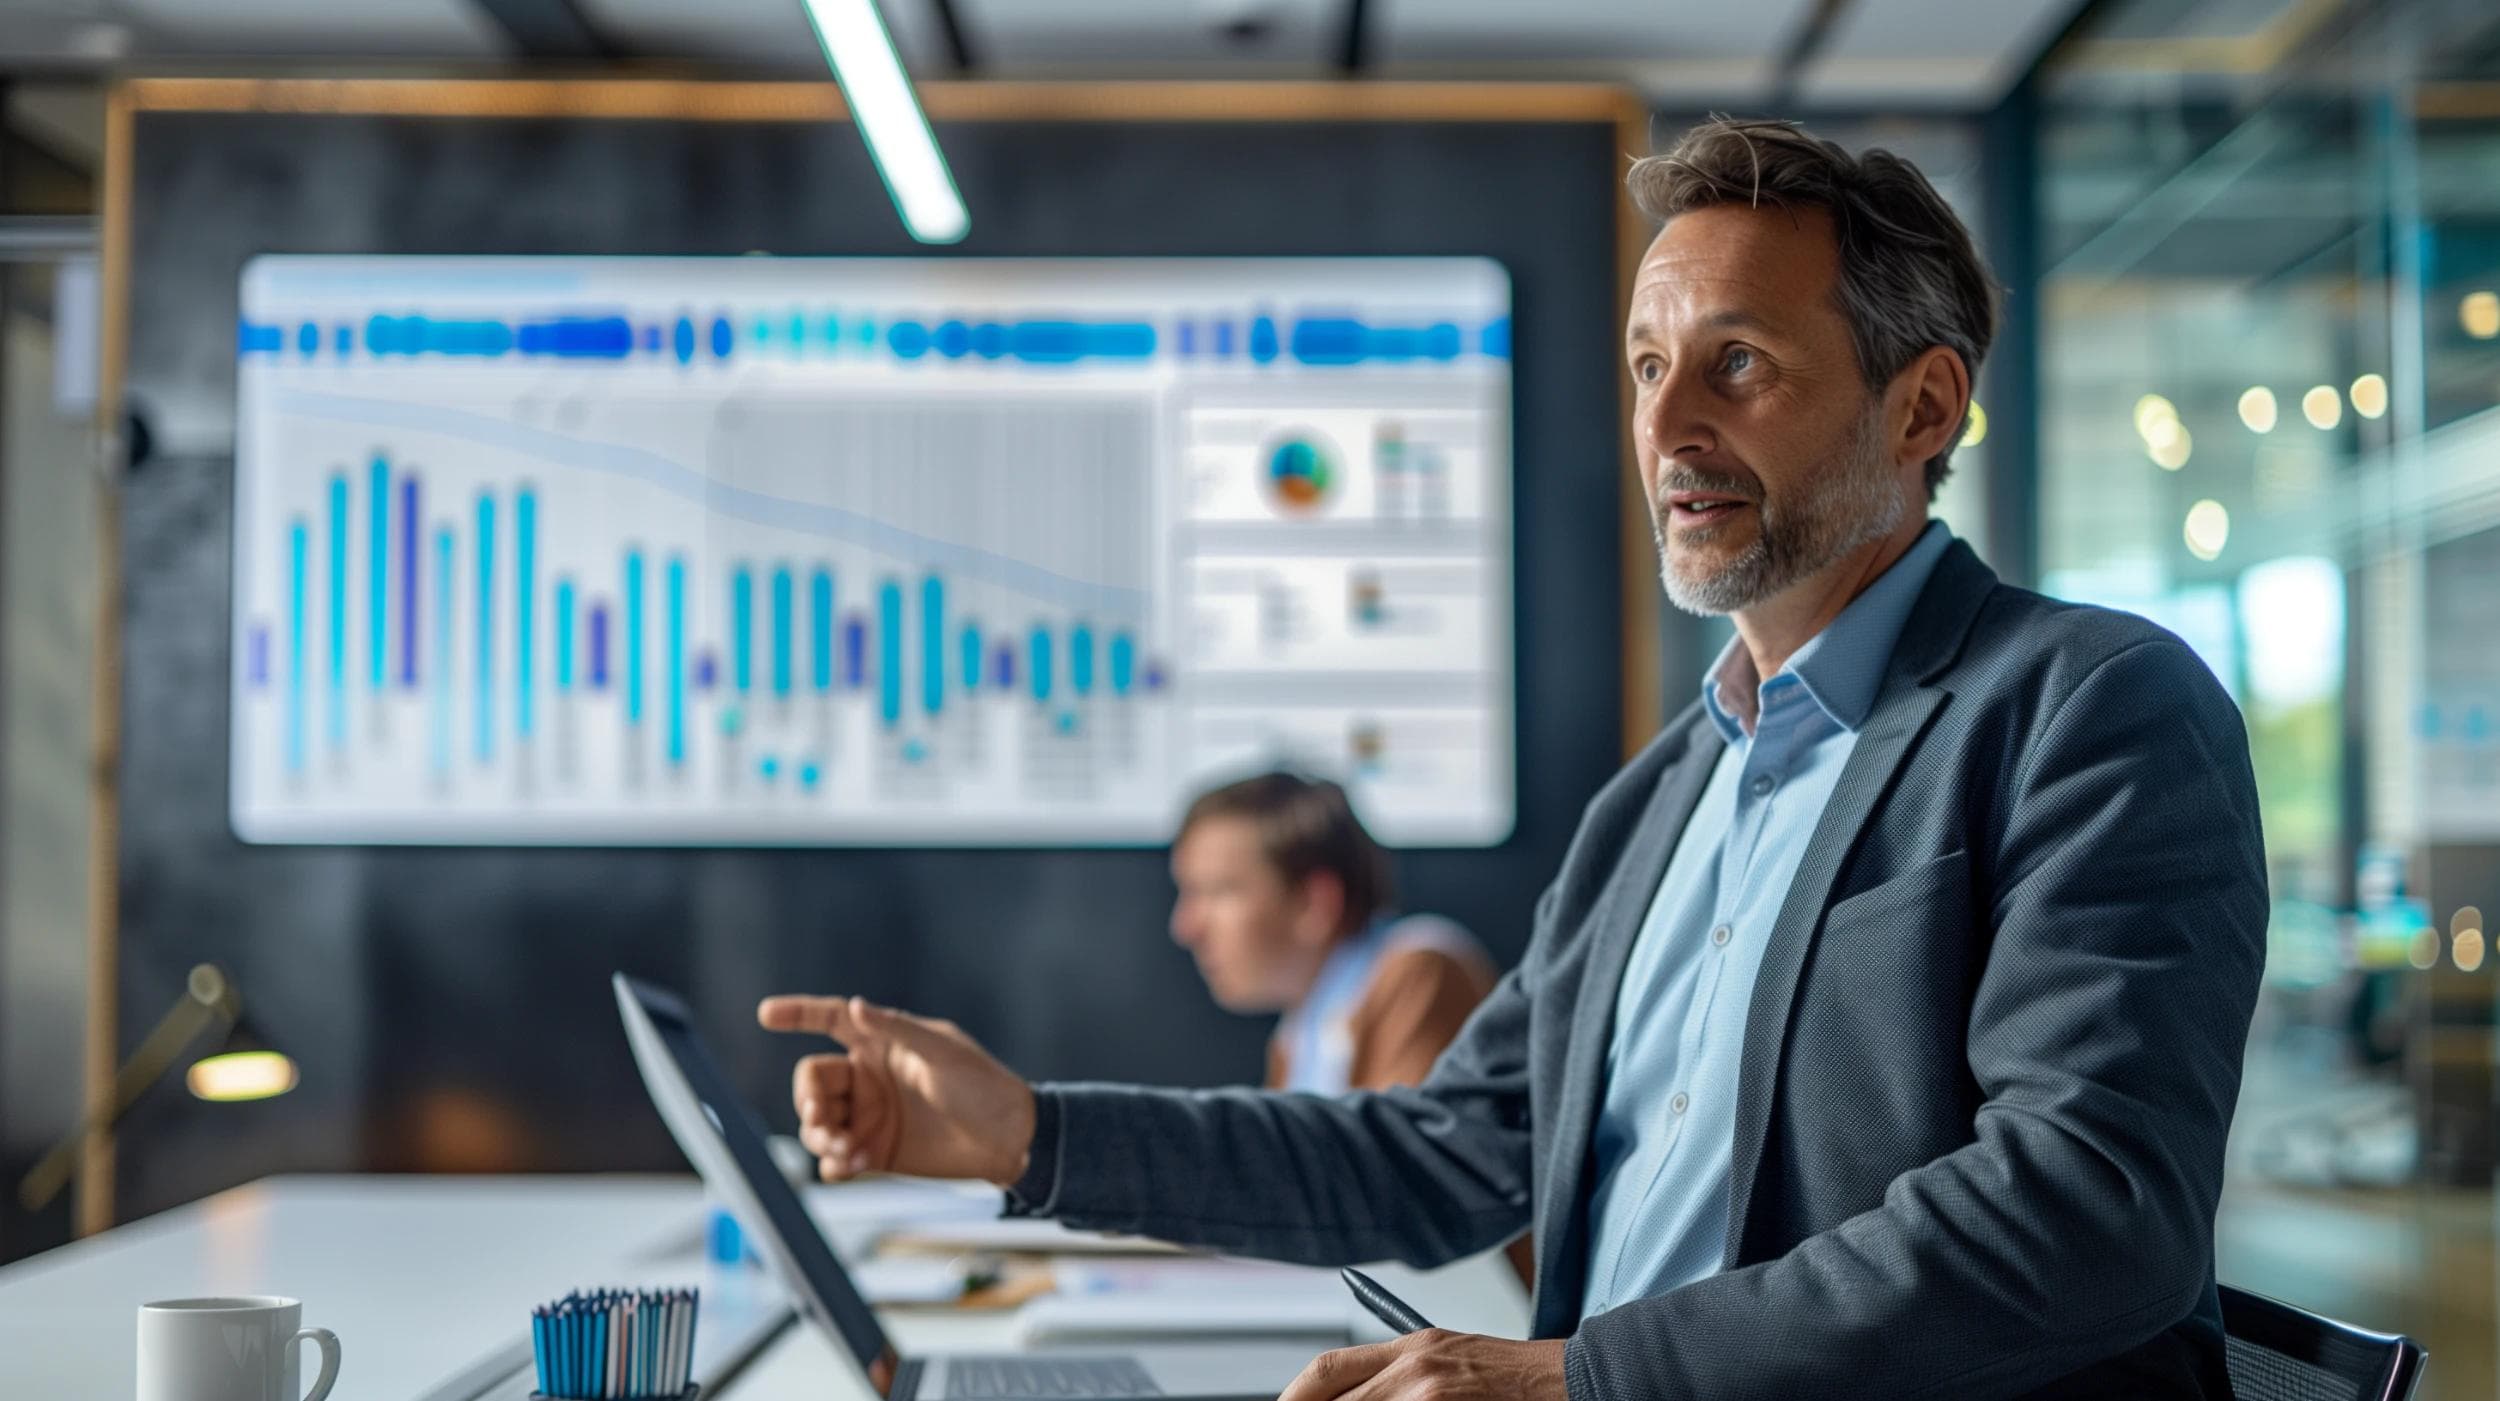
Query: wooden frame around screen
x=687, y=100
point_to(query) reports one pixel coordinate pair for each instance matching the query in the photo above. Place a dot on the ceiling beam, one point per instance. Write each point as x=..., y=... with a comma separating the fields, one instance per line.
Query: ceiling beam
x=1803, y=48
x=1354, y=54
x=554, y=29
x=951, y=28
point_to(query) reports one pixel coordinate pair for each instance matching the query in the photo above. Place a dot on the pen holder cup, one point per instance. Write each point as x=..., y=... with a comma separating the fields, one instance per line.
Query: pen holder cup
x=689, y=1394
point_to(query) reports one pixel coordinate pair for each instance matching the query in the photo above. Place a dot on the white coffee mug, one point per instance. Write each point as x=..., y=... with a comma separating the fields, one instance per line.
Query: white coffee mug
x=229, y=1349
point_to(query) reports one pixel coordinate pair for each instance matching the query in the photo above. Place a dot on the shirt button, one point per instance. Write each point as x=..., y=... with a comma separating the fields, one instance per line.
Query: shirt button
x=1763, y=783
x=1720, y=935
x=1678, y=1103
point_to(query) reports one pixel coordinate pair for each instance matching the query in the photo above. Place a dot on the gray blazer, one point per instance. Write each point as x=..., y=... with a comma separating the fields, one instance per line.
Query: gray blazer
x=1989, y=1066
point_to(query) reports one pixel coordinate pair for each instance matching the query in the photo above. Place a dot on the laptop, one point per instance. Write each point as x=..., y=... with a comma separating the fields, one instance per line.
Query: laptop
x=725, y=1142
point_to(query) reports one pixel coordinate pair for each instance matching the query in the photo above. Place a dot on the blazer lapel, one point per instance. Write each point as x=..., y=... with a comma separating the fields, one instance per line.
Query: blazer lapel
x=1616, y=920
x=1929, y=642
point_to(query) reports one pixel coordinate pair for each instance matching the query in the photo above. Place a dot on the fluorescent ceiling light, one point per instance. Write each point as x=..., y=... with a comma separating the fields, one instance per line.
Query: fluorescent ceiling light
x=890, y=119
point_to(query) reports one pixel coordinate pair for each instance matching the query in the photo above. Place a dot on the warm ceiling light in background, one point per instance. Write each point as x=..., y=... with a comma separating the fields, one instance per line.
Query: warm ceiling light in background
x=2151, y=410
x=2257, y=409
x=2465, y=933
x=2169, y=445
x=2479, y=314
x=2322, y=406
x=242, y=1075
x=890, y=120
x=2369, y=395
x=2208, y=529
x=1977, y=431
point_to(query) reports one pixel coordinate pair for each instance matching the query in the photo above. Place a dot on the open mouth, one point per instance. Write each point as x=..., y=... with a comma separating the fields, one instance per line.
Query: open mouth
x=1702, y=508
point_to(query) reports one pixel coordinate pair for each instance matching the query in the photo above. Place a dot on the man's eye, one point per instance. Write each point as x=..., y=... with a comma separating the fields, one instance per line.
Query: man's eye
x=1649, y=371
x=1737, y=360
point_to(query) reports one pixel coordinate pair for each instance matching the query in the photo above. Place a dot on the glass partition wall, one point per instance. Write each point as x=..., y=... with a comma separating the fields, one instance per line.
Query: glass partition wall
x=2270, y=360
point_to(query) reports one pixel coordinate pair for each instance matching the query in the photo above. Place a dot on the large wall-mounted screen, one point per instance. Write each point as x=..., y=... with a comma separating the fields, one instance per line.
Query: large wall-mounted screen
x=865, y=551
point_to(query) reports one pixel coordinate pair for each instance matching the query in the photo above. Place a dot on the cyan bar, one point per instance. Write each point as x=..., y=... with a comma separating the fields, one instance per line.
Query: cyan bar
x=377, y=570
x=890, y=651
x=1041, y=663
x=295, y=545
x=676, y=659
x=932, y=644
x=484, y=743
x=1081, y=659
x=633, y=637
x=1123, y=663
x=972, y=656
x=820, y=628
x=564, y=634
x=741, y=617
x=781, y=630
x=439, y=683
x=408, y=581
x=336, y=707
x=525, y=594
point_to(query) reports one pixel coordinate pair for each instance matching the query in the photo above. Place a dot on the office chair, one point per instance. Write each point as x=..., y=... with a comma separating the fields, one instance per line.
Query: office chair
x=2276, y=1352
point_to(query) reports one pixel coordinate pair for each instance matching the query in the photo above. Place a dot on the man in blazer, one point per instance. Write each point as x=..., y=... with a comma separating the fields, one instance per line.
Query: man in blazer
x=1880, y=1033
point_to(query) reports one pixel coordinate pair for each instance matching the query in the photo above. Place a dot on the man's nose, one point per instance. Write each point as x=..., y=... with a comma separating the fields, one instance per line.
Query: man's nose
x=1674, y=421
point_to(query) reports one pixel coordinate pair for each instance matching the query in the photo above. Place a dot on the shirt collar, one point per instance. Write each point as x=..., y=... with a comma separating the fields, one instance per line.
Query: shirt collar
x=1842, y=667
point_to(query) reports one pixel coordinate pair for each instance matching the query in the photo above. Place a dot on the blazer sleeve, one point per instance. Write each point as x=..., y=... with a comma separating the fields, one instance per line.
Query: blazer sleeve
x=2105, y=1035
x=1424, y=1174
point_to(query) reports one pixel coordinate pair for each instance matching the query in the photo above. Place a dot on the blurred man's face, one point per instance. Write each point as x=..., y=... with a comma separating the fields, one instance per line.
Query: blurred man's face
x=1259, y=939
x=1761, y=448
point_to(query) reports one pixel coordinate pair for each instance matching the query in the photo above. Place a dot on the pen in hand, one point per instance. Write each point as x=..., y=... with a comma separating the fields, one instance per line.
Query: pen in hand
x=1385, y=1306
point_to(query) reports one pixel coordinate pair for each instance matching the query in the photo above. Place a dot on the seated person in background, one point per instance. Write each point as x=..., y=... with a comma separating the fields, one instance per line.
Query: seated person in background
x=1284, y=902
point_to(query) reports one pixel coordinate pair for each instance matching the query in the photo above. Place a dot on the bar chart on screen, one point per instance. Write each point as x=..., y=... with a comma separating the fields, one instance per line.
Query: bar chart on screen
x=696, y=551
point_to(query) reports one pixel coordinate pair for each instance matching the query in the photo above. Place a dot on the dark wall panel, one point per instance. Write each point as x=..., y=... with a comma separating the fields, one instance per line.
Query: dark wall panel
x=449, y=1005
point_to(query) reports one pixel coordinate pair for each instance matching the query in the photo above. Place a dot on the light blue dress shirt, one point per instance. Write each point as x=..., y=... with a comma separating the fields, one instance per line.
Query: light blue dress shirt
x=1667, y=1128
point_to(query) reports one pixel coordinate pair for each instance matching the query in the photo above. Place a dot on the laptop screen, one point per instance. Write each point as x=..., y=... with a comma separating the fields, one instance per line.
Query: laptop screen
x=788, y=1229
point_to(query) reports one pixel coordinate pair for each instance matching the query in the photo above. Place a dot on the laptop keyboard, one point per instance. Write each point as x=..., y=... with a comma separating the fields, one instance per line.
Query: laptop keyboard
x=1032, y=1378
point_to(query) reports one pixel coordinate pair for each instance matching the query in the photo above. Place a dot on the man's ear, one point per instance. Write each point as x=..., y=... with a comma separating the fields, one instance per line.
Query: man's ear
x=1321, y=916
x=1933, y=392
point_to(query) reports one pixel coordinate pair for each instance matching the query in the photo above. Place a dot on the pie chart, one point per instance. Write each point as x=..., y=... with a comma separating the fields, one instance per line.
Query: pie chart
x=1300, y=474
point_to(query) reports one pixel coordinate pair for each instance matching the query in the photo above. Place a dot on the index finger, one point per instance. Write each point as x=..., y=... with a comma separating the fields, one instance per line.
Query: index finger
x=1333, y=1374
x=826, y=1016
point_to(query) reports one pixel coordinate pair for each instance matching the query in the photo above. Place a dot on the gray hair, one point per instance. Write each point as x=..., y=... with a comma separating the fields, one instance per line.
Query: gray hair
x=1910, y=278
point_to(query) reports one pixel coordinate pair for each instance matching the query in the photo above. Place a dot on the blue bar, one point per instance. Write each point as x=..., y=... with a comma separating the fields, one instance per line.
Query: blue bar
x=377, y=568
x=890, y=651
x=440, y=681
x=820, y=628
x=337, y=708
x=1041, y=663
x=485, y=741
x=633, y=637
x=676, y=659
x=249, y=338
x=295, y=648
x=525, y=593
x=578, y=337
x=781, y=631
x=972, y=656
x=564, y=634
x=741, y=616
x=1123, y=663
x=1081, y=659
x=932, y=644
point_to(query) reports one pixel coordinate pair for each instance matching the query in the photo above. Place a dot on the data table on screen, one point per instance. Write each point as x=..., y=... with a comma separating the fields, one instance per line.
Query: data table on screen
x=939, y=551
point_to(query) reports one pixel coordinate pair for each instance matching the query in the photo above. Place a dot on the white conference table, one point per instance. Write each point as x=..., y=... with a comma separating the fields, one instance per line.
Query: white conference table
x=428, y=1281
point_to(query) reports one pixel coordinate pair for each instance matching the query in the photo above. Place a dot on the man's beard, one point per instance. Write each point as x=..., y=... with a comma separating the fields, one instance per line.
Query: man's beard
x=1833, y=515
